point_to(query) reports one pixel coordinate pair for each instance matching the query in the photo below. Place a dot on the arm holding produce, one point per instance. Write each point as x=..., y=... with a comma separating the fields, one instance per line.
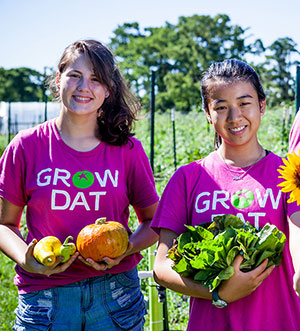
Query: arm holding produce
x=239, y=285
x=13, y=245
x=294, y=224
x=142, y=238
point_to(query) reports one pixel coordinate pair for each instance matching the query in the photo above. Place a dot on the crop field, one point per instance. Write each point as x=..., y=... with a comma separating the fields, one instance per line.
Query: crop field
x=194, y=140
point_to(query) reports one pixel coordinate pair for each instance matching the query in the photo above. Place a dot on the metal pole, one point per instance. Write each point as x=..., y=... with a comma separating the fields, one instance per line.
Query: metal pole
x=45, y=111
x=297, y=88
x=155, y=307
x=174, y=138
x=9, y=120
x=45, y=97
x=152, y=119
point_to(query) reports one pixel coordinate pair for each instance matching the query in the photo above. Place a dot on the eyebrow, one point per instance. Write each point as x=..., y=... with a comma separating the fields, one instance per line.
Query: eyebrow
x=75, y=70
x=78, y=71
x=217, y=101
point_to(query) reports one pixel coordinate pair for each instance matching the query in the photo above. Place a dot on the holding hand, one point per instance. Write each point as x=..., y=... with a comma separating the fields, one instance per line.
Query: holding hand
x=241, y=284
x=108, y=262
x=30, y=264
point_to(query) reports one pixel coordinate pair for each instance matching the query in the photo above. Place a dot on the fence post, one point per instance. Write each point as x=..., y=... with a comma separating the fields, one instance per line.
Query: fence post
x=45, y=96
x=155, y=307
x=9, y=121
x=174, y=137
x=45, y=110
x=152, y=119
x=297, y=88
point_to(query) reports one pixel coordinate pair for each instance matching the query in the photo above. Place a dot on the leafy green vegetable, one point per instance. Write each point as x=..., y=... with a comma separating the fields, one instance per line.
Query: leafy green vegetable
x=205, y=252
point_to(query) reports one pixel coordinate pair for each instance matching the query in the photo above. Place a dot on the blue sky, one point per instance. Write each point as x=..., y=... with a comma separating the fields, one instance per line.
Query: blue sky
x=34, y=33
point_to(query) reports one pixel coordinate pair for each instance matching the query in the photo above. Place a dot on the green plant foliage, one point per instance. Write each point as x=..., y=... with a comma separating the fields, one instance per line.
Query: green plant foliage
x=206, y=252
x=8, y=293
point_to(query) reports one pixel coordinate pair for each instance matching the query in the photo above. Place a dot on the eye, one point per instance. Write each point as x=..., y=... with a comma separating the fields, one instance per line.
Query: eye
x=245, y=103
x=74, y=75
x=219, y=108
x=95, y=79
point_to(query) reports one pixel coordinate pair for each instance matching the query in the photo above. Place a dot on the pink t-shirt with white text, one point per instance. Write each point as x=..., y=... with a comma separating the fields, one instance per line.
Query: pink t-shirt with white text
x=65, y=190
x=199, y=191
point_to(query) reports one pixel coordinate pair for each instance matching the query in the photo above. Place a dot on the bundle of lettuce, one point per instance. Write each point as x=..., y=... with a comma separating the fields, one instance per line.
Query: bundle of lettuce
x=205, y=252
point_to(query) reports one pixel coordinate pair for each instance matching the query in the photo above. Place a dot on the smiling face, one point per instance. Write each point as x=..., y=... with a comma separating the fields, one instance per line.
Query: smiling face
x=235, y=112
x=81, y=92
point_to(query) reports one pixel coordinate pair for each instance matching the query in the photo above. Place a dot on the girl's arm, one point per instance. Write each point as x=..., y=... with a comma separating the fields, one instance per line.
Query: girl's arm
x=143, y=237
x=238, y=286
x=13, y=245
x=294, y=243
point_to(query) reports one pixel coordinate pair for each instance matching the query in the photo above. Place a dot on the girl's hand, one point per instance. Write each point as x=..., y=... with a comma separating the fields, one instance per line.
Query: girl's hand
x=241, y=284
x=107, y=263
x=30, y=264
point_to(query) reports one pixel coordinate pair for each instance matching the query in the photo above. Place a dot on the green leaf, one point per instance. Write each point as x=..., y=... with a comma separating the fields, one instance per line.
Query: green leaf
x=183, y=239
x=223, y=275
x=181, y=266
x=234, y=251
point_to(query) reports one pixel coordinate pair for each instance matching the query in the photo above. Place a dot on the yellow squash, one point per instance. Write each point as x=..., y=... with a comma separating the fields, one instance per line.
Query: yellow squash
x=49, y=248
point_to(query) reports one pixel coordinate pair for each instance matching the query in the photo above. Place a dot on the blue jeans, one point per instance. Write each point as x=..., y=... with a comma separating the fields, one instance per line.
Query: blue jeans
x=109, y=302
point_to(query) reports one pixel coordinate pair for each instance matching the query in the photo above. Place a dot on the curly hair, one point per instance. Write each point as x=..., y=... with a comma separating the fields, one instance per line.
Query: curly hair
x=119, y=110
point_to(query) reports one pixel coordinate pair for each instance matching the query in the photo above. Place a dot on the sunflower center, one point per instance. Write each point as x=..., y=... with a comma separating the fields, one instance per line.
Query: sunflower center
x=297, y=177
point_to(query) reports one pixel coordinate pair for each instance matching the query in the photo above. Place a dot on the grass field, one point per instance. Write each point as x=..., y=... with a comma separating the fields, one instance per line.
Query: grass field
x=194, y=140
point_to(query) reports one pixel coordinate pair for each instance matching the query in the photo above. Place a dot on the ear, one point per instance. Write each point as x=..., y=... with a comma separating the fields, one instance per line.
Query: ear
x=57, y=81
x=262, y=105
x=106, y=93
x=208, y=117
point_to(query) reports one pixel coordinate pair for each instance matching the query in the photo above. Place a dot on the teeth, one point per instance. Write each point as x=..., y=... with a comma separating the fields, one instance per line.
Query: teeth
x=81, y=98
x=237, y=129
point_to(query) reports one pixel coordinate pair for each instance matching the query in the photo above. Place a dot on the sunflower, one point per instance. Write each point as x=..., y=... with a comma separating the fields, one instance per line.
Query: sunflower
x=291, y=173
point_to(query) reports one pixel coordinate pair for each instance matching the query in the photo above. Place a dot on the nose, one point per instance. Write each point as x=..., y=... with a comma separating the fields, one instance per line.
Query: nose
x=83, y=84
x=234, y=114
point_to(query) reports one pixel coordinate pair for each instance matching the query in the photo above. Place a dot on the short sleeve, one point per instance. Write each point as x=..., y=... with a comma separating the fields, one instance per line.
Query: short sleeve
x=141, y=185
x=172, y=212
x=12, y=173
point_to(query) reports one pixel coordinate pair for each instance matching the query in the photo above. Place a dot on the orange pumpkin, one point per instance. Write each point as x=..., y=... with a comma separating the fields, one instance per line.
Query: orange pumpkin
x=104, y=238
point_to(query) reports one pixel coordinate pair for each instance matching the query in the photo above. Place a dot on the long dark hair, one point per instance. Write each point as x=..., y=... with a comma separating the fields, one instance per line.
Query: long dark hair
x=120, y=108
x=229, y=71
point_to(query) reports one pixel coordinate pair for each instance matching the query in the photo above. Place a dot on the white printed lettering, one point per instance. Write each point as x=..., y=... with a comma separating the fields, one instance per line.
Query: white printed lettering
x=97, y=198
x=83, y=202
x=256, y=218
x=53, y=200
x=205, y=203
x=63, y=178
x=46, y=178
x=103, y=181
x=269, y=192
x=220, y=200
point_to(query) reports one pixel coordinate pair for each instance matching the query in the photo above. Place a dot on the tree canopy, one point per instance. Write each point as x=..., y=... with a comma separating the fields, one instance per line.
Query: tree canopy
x=178, y=54
x=20, y=84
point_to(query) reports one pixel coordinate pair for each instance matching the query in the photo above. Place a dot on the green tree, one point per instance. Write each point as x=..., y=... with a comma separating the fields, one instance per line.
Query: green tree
x=277, y=74
x=178, y=53
x=21, y=84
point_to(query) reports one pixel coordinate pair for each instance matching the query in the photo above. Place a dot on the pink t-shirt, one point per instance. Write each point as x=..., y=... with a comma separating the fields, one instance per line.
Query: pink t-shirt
x=294, y=138
x=199, y=191
x=65, y=190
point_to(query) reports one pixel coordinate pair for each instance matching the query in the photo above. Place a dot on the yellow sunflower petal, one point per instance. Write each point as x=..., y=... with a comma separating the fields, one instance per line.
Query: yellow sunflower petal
x=286, y=162
x=295, y=161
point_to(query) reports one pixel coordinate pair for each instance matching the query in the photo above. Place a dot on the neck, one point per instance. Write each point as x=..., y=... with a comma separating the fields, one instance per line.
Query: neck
x=78, y=132
x=241, y=156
